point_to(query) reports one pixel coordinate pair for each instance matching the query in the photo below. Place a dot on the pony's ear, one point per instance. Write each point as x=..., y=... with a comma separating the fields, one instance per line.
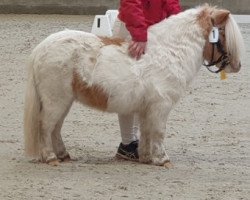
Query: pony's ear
x=220, y=16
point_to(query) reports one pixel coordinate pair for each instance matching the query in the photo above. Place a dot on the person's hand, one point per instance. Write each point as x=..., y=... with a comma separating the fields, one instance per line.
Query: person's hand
x=136, y=49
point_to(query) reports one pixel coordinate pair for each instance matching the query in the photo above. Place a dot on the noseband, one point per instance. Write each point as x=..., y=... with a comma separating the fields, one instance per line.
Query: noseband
x=223, y=60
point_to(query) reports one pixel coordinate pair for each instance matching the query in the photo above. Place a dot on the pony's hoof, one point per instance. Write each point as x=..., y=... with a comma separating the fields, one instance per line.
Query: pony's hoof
x=168, y=165
x=63, y=156
x=48, y=157
x=145, y=159
x=161, y=161
x=67, y=158
x=54, y=162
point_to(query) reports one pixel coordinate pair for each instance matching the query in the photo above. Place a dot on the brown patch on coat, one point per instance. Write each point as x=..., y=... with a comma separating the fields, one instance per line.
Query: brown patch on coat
x=207, y=51
x=205, y=21
x=112, y=41
x=93, y=96
x=220, y=17
x=93, y=60
x=70, y=40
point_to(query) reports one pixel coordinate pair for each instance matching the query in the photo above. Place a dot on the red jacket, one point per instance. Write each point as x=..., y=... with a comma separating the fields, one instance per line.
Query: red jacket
x=138, y=15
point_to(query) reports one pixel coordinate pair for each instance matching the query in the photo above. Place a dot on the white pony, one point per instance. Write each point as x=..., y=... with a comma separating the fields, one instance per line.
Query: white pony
x=74, y=65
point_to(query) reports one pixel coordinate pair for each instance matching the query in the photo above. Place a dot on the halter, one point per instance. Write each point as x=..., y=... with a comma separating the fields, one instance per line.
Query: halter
x=223, y=59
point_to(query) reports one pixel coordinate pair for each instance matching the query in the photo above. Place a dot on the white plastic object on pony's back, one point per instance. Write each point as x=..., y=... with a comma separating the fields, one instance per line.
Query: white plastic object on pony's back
x=214, y=35
x=103, y=24
x=112, y=15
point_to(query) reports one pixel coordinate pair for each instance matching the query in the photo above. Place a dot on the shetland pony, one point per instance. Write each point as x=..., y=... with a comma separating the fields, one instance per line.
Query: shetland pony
x=73, y=66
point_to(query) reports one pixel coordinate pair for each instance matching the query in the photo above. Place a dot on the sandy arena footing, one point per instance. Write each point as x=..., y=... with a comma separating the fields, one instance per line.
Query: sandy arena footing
x=208, y=134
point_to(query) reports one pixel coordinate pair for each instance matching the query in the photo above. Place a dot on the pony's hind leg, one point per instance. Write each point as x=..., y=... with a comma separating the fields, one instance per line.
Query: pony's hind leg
x=58, y=144
x=52, y=115
x=46, y=151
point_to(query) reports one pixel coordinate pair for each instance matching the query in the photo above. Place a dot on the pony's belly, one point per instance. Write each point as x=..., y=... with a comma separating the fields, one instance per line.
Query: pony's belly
x=93, y=96
x=124, y=104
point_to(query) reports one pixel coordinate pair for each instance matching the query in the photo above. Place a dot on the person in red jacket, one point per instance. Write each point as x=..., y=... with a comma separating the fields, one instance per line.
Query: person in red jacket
x=136, y=16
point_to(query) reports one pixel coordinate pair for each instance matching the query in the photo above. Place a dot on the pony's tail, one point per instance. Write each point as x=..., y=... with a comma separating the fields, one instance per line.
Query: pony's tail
x=32, y=107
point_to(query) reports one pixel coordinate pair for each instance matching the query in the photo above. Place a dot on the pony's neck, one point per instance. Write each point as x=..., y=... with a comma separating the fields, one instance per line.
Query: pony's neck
x=178, y=42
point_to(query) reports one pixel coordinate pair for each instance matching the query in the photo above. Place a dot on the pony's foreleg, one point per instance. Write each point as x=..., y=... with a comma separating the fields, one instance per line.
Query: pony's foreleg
x=144, y=148
x=154, y=132
x=159, y=115
x=58, y=144
x=159, y=155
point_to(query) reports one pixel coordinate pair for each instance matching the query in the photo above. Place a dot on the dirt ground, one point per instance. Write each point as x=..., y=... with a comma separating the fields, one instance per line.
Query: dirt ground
x=208, y=134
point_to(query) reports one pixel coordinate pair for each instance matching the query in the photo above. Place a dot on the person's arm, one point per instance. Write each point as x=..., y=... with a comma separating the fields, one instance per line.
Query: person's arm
x=172, y=7
x=131, y=13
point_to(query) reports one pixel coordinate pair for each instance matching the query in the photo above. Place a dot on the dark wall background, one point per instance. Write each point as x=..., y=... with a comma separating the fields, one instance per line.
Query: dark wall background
x=91, y=7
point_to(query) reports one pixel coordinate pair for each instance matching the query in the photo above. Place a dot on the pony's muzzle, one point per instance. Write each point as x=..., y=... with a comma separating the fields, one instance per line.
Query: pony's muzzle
x=237, y=68
x=233, y=68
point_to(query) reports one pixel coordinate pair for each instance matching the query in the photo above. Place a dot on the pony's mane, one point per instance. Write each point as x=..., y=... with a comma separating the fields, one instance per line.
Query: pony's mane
x=234, y=40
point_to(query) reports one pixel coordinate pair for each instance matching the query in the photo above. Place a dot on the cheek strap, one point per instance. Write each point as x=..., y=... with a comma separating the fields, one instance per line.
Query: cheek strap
x=223, y=59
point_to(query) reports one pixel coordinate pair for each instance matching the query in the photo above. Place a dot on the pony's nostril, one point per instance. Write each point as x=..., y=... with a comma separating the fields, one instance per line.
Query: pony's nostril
x=239, y=64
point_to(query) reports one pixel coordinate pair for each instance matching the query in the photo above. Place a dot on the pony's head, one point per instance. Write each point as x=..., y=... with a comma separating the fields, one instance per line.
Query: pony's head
x=224, y=44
